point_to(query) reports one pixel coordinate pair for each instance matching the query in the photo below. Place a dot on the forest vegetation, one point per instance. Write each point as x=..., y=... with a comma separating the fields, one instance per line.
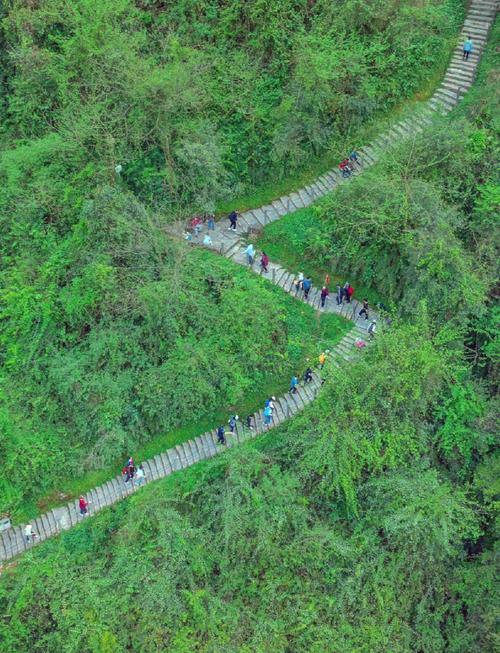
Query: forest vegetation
x=366, y=524
x=113, y=334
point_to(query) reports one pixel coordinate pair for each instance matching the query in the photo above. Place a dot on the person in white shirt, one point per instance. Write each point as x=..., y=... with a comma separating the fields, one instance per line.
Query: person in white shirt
x=140, y=476
x=250, y=252
x=207, y=240
x=29, y=535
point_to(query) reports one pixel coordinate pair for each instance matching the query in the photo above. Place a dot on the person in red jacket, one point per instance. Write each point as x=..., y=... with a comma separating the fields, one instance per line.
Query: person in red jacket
x=84, y=506
x=350, y=293
x=264, y=262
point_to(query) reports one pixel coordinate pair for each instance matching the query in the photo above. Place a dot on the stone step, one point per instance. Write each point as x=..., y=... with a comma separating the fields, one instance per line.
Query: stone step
x=460, y=73
x=447, y=96
x=458, y=90
x=458, y=79
x=472, y=27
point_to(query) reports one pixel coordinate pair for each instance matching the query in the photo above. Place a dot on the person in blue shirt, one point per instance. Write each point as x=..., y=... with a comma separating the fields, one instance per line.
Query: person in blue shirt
x=468, y=47
x=221, y=437
x=268, y=413
x=306, y=285
x=293, y=385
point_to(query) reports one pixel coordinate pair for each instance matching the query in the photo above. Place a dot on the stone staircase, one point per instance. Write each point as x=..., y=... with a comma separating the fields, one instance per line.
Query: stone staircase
x=459, y=77
x=12, y=540
x=232, y=245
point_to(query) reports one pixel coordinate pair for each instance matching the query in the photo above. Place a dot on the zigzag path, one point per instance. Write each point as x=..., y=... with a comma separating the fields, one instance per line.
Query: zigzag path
x=458, y=78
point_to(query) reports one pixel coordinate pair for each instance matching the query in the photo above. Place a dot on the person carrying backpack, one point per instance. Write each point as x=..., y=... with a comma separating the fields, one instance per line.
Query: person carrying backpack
x=364, y=310
x=308, y=375
x=221, y=435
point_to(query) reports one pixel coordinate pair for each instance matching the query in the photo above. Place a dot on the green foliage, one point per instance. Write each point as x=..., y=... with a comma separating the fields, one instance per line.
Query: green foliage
x=240, y=554
x=417, y=226
x=365, y=525
x=195, y=101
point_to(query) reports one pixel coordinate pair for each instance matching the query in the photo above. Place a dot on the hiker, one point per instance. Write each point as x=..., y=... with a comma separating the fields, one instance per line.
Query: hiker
x=349, y=292
x=322, y=360
x=187, y=235
x=295, y=285
x=306, y=286
x=221, y=438
x=354, y=158
x=372, y=329
x=232, y=422
x=308, y=375
x=345, y=168
x=207, y=240
x=140, y=476
x=293, y=385
x=211, y=223
x=301, y=279
x=264, y=262
x=324, y=296
x=268, y=414
x=250, y=252
x=128, y=470
x=345, y=293
x=340, y=295
x=196, y=226
x=233, y=218
x=364, y=310
x=468, y=47
x=248, y=422
x=270, y=403
x=84, y=506
x=29, y=534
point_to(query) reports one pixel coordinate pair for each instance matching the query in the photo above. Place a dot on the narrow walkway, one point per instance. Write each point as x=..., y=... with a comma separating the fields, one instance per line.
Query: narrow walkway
x=12, y=540
x=459, y=77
